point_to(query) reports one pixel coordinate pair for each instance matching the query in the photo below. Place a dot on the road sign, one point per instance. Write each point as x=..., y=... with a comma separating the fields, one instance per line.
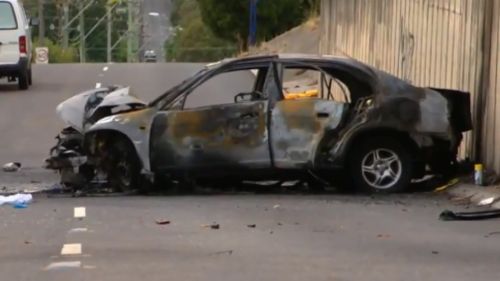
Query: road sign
x=42, y=55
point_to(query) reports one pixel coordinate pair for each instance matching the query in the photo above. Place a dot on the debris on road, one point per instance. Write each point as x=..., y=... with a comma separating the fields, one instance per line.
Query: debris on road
x=251, y=225
x=435, y=252
x=228, y=252
x=162, y=222
x=212, y=226
x=383, y=236
x=486, y=201
x=276, y=206
x=447, y=185
x=492, y=233
x=448, y=215
x=17, y=201
x=11, y=167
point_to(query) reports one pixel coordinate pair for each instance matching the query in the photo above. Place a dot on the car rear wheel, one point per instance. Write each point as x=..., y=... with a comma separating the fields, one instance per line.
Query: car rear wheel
x=381, y=165
x=22, y=80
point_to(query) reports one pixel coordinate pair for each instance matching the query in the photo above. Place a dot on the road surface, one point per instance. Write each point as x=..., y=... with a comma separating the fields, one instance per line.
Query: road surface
x=156, y=15
x=295, y=237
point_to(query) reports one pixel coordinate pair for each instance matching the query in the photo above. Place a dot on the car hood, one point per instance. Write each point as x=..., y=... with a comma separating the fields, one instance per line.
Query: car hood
x=76, y=110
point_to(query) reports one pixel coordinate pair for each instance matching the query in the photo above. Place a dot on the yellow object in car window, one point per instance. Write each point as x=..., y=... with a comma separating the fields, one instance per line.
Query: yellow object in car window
x=302, y=95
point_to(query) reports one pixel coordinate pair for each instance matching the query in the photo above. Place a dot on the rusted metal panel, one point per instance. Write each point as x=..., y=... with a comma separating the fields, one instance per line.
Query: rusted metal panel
x=436, y=43
x=297, y=128
x=223, y=135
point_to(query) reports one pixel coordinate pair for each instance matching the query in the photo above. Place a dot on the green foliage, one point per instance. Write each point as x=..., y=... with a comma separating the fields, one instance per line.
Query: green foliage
x=57, y=54
x=96, y=42
x=194, y=41
x=229, y=19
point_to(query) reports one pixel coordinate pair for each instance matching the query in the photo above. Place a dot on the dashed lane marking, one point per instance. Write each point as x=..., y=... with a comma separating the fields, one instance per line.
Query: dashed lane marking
x=75, y=230
x=98, y=85
x=64, y=265
x=71, y=249
x=80, y=212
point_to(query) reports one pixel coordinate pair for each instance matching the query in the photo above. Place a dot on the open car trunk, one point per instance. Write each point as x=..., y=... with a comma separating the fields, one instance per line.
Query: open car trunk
x=460, y=109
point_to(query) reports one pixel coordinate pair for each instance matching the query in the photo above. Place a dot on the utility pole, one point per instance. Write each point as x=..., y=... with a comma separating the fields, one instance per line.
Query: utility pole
x=130, y=25
x=41, y=27
x=66, y=21
x=110, y=33
x=82, y=35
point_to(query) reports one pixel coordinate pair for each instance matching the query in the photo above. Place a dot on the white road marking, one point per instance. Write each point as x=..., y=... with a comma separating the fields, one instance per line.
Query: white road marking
x=71, y=249
x=98, y=85
x=81, y=229
x=64, y=265
x=80, y=212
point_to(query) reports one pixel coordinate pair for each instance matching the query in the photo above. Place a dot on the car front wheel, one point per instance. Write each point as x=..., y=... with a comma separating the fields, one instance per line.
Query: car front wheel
x=124, y=173
x=381, y=165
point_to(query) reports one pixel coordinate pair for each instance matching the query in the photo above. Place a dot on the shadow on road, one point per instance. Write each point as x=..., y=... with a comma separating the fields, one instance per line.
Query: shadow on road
x=8, y=88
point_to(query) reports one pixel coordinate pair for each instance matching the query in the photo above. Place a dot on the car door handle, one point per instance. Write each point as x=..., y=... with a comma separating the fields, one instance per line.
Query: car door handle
x=322, y=114
x=249, y=115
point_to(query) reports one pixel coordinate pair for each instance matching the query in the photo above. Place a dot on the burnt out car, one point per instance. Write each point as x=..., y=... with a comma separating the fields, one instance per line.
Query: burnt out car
x=379, y=131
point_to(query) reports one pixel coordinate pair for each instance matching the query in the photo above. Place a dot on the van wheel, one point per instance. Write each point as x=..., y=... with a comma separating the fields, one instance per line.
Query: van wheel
x=22, y=80
x=381, y=165
x=30, y=77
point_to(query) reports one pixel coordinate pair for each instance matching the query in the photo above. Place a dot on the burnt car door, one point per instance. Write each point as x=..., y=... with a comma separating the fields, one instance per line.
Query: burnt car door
x=211, y=133
x=313, y=103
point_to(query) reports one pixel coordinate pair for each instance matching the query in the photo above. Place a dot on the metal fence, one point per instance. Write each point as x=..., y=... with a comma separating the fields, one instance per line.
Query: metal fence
x=439, y=43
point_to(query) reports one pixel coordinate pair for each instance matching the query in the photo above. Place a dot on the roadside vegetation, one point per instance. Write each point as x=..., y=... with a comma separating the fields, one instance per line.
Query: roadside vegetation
x=208, y=30
x=95, y=43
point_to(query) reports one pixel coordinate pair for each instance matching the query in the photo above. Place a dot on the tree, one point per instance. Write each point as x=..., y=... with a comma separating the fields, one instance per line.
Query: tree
x=193, y=41
x=229, y=19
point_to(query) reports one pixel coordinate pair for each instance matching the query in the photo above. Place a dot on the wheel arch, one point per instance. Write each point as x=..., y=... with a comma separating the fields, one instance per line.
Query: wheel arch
x=92, y=139
x=365, y=135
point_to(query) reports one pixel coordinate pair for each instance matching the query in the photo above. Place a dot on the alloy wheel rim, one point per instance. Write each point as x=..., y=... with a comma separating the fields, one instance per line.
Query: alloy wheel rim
x=381, y=168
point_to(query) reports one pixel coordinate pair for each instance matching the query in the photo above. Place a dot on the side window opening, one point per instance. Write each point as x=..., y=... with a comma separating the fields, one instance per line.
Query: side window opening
x=300, y=82
x=224, y=88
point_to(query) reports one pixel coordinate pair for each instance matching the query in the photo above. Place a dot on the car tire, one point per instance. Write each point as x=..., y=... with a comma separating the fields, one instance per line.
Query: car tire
x=124, y=172
x=22, y=80
x=381, y=165
x=30, y=77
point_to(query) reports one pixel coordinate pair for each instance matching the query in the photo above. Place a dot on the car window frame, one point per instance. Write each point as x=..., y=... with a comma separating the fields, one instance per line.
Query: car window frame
x=14, y=15
x=181, y=98
x=322, y=70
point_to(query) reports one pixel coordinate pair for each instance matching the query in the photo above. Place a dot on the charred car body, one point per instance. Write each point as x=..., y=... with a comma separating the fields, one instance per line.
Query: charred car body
x=382, y=131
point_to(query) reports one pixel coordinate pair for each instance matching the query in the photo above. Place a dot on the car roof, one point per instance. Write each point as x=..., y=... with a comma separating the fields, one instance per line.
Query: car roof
x=294, y=56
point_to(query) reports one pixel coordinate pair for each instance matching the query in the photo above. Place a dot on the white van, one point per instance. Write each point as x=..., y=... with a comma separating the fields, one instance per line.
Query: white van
x=15, y=43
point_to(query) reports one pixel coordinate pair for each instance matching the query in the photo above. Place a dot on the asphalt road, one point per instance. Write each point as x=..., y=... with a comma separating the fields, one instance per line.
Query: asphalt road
x=156, y=26
x=296, y=237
